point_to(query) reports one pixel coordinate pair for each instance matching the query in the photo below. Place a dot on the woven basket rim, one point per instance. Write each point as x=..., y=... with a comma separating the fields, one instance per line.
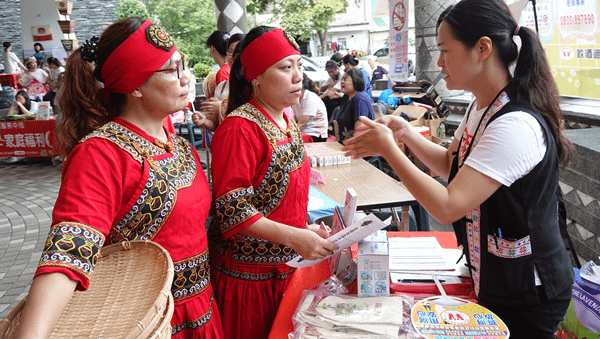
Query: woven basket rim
x=155, y=314
x=163, y=329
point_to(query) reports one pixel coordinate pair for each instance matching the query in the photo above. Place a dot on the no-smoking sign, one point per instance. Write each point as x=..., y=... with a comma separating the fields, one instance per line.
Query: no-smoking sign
x=399, y=16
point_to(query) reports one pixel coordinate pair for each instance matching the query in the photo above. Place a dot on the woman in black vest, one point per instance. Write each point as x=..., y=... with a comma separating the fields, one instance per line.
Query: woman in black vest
x=502, y=165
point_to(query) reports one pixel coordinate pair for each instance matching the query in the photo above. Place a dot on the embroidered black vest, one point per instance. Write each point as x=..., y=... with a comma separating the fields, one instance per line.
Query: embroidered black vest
x=518, y=227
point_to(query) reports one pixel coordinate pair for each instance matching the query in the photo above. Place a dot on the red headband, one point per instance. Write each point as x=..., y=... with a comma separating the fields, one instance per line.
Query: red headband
x=137, y=58
x=266, y=50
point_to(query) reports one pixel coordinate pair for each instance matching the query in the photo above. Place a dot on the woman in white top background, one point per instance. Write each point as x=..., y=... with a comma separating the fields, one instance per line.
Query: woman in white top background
x=310, y=112
x=11, y=62
x=34, y=79
x=54, y=69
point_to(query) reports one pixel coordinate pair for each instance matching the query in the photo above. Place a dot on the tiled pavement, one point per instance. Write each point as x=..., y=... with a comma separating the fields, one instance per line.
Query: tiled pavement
x=28, y=190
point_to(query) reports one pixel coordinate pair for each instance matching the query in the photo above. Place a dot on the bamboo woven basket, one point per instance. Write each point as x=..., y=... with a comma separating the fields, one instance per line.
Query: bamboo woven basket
x=129, y=297
x=164, y=329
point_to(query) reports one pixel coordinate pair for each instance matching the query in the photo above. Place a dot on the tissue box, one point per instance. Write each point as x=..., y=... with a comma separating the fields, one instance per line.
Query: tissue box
x=373, y=261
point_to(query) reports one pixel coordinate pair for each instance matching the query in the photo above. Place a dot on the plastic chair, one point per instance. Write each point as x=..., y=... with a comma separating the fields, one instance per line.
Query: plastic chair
x=375, y=161
x=191, y=136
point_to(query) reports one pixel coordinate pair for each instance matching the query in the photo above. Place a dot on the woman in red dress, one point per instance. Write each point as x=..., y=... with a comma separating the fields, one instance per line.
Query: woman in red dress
x=260, y=187
x=126, y=177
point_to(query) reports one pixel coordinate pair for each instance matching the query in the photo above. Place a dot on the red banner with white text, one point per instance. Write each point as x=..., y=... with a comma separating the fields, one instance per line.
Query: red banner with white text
x=34, y=138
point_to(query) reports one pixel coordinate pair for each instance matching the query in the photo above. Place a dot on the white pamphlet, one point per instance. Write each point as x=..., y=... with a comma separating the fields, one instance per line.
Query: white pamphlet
x=345, y=238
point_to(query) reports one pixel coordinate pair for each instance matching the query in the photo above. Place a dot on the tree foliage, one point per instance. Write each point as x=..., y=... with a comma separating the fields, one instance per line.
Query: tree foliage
x=189, y=22
x=301, y=17
x=130, y=8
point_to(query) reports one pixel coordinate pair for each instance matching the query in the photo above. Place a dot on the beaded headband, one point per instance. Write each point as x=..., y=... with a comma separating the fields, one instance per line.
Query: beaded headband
x=266, y=50
x=124, y=72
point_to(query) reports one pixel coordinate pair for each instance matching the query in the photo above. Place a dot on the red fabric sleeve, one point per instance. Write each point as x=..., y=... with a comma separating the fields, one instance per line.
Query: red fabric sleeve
x=239, y=149
x=91, y=195
x=223, y=73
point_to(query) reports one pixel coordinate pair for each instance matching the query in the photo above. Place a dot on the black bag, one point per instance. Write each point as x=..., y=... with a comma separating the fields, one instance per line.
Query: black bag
x=6, y=98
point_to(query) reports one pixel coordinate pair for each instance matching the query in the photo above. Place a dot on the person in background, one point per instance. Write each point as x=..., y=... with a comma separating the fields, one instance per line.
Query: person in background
x=22, y=105
x=310, y=112
x=261, y=178
x=11, y=62
x=379, y=72
x=39, y=54
x=217, y=42
x=350, y=61
x=361, y=62
x=54, y=69
x=34, y=79
x=502, y=166
x=331, y=90
x=411, y=67
x=337, y=57
x=119, y=181
x=214, y=108
x=356, y=103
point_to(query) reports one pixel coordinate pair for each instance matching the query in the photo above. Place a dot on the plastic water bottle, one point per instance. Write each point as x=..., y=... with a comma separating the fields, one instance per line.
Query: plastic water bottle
x=188, y=115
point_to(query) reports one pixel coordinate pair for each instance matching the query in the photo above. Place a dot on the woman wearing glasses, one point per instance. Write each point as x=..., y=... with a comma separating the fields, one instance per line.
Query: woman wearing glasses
x=356, y=103
x=260, y=186
x=119, y=158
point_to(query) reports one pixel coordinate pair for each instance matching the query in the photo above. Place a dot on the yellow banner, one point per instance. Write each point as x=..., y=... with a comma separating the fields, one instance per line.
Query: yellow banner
x=570, y=32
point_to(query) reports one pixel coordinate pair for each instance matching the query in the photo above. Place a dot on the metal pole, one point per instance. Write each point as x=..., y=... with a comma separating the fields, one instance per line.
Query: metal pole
x=537, y=30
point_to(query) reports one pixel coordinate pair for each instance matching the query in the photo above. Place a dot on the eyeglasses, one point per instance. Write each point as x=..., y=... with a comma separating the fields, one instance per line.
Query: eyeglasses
x=180, y=68
x=346, y=79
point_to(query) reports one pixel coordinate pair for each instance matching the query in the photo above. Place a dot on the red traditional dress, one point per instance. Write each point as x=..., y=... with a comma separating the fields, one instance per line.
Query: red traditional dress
x=259, y=170
x=223, y=73
x=120, y=183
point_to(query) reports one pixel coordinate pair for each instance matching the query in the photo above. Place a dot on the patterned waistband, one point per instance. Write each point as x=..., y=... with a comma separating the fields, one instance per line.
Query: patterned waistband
x=192, y=276
x=252, y=276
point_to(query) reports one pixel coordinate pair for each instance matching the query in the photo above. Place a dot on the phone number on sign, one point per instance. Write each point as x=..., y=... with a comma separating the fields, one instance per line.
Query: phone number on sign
x=581, y=19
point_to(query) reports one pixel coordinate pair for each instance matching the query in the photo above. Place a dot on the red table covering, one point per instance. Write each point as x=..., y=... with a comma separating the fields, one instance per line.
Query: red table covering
x=309, y=277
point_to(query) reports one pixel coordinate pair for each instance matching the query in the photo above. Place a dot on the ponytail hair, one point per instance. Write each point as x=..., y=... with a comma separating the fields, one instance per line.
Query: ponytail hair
x=469, y=20
x=308, y=84
x=537, y=87
x=240, y=89
x=84, y=110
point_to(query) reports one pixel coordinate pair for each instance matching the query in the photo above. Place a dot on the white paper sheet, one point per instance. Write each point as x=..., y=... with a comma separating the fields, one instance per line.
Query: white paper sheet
x=451, y=255
x=345, y=238
x=417, y=254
